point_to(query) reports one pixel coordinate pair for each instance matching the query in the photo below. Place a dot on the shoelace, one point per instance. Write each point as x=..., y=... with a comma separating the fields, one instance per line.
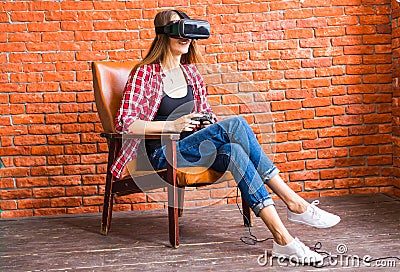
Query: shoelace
x=315, y=210
x=306, y=249
x=303, y=246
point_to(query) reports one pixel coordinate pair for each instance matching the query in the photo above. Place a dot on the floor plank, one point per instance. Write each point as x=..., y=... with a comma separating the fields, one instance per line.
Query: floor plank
x=210, y=239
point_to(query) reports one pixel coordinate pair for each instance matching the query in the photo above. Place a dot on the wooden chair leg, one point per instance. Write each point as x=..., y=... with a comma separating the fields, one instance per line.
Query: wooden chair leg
x=173, y=206
x=247, y=218
x=173, y=215
x=181, y=200
x=107, y=207
x=108, y=195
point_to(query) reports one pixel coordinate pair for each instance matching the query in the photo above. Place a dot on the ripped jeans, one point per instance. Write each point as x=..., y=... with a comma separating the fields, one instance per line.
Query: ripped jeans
x=227, y=145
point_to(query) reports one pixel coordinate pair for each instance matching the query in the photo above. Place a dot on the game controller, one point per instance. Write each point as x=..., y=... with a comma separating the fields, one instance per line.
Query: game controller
x=206, y=117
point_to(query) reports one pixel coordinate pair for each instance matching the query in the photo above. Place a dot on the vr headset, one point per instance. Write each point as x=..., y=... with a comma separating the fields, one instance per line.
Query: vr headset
x=185, y=28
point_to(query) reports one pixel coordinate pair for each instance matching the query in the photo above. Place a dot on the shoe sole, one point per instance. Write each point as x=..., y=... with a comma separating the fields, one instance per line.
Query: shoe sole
x=307, y=224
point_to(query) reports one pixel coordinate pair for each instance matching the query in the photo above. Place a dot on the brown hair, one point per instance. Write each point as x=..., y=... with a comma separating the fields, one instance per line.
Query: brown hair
x=160, y=46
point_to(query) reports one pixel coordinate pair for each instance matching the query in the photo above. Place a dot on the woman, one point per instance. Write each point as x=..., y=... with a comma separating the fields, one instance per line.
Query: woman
x=163, y=94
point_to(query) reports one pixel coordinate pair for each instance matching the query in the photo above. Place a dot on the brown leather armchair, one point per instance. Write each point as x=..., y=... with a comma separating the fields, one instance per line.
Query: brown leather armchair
x=109, y=80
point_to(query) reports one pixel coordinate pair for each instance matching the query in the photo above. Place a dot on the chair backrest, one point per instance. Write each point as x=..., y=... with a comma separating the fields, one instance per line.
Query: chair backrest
x=109, y=79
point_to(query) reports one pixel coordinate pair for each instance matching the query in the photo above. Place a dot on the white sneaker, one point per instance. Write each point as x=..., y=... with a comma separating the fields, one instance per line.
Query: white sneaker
x=314, y=217
x=296, y=252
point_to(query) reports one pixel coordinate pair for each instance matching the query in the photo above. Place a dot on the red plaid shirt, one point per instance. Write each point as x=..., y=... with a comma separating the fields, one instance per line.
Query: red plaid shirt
x=141, y=100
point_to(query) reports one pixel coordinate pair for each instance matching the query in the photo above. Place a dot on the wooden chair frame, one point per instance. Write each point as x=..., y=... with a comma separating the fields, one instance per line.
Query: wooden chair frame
x=129, y=184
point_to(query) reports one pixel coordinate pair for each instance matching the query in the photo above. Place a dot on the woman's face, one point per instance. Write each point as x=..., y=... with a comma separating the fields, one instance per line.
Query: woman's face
x=178, y=46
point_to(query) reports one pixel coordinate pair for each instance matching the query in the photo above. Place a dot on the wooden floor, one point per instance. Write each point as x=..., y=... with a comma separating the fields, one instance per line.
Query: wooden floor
x=210, y=240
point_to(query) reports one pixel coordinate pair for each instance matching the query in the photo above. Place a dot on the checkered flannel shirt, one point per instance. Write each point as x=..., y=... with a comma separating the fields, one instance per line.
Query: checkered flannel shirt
x=141, y=99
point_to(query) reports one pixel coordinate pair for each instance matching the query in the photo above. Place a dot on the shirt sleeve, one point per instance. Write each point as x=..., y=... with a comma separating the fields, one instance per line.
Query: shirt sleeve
x=132, y=100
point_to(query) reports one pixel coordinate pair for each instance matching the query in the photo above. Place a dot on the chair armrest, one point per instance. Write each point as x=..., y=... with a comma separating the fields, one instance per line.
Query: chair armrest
x=150, y=136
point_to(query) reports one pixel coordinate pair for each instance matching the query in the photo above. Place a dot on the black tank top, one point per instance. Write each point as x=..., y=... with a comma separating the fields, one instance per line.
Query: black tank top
x=171, y=109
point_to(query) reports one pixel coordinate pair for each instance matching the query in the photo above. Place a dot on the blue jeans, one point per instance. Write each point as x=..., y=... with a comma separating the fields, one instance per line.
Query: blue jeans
x=227, y=145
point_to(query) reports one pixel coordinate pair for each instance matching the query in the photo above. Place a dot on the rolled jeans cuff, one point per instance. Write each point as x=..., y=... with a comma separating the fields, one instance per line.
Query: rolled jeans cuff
x=270, y=174
x=266, y=202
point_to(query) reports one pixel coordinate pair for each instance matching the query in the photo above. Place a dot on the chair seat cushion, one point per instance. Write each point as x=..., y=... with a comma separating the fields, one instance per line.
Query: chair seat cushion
x=186, y=176
x=196, y=176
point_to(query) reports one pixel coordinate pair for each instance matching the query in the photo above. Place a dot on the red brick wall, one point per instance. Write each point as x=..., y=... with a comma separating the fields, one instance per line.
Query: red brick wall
x=396, y=95
x=321, y=70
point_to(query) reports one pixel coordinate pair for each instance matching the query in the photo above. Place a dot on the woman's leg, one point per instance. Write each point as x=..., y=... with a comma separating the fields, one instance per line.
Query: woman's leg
x=213, y=146
x=274, y=224
x=293, y=201
x=232, y=157
x=201, y=147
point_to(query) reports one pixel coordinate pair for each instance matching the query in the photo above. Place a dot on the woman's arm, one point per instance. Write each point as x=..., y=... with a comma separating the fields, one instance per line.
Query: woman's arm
x=184, y=123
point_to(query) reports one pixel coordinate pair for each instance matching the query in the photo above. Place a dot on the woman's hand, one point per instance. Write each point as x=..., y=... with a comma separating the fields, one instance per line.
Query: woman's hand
x=185, y=123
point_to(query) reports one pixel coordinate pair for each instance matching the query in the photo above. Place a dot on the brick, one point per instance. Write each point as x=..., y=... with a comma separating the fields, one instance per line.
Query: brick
x=302, y=135
x=46, y=170
x=79, y=169
x=291, y=166
x=333, y=132
x=316, y=82
x=28, y=119
x=311, y=22
x=349, y=182
x=315, y=42
x=32, y=182
x=378, y=139
x=45, y=150
x=288, y=147
x=330, y=32
x=302, y=155
x=320, y=163
x=364, y=171
x=8, y=205
x=318, y=123
x=363, y=130
x=329, y=111
x=312, y=185
x=286, y=84
x=29, y=140
x=66, y=202
x=16, y=213
x=334, y=173
x=294, y=54
x=288, y=126
x=33, y=203
x=80, y=210
x=299, y=114
x=298, y=33
x=377, y=118
x=15, y=194
x=297, y=14
x=285, y=105
x=364, y=150
x=81, y=191
x=364, y=191
x=30, y=161
x=285, y=64
x=57, y=15
x=333, y=152
x=347, y=120
x=348, y=99
x=304, y=176
x=317, y=144
x=380, y=160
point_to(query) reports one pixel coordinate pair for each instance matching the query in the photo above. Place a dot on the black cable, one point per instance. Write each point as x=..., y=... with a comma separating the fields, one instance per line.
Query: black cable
x=250, y=239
